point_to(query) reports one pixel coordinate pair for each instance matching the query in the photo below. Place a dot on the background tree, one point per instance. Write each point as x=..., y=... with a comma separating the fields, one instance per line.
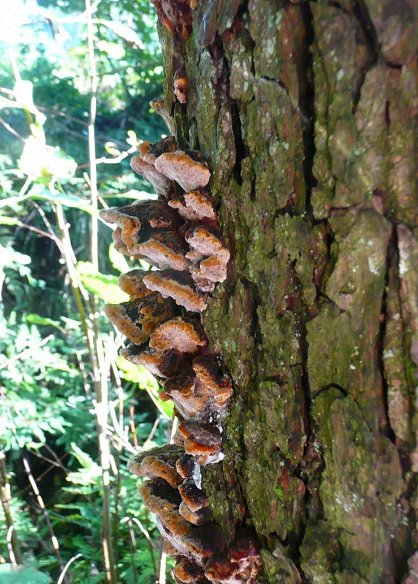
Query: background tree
x=307, y=114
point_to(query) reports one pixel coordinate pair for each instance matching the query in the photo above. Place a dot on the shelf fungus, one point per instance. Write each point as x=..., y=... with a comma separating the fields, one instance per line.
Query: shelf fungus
x=149, y=152
x=132, y=283
x=150, y=230
x=158, y=463
x=161, y=365
x=194, y=206
x=179, y=235
x=179, y=286
x=159, y=181
x=188, y=169
x=137, y=319
x=203, y=441
x=184, y=336
x=143, y=216
x=188, y=572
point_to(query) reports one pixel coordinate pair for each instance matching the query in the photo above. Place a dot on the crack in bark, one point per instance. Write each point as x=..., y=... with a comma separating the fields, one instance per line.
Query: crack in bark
x=384, y=422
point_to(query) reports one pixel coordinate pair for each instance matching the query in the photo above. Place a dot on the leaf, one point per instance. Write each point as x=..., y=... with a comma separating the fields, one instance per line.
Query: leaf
x=102, y=285
x=9, y=221
x=44, y=321
x=117, y=260
x=90, y=471
x=10, y=574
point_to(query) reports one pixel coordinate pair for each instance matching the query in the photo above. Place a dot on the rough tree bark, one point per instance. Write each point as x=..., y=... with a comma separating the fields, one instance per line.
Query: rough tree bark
x=305, y=112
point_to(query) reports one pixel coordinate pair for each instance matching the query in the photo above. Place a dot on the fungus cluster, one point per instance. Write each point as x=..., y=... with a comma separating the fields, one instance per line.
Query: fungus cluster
x=173, y=492
x=179, y=236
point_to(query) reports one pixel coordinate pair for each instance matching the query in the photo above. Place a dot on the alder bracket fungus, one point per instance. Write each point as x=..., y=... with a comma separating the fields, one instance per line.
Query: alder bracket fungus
x=178, y=234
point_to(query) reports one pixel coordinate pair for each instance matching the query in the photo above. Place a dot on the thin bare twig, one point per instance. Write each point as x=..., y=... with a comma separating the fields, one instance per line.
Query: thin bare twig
x=67, y=565
x=13, y=545
x=40, y=501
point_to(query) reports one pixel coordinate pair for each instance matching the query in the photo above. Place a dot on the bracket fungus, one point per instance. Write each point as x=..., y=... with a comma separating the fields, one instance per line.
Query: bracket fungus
x=188, y=169
x=159, y=181
x=194, y=206
x=140, y=217
x=179, y=286
x=149, y=151
x=137, y=319
x=161, y=365
x=203, y=441
x=178, y=234
x=158, y=463
x=188, y=572
x=180, y=335
x=192, y=495
x=132, y=283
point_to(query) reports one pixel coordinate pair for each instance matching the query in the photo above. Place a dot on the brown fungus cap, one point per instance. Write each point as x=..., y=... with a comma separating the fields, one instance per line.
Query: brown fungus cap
x=192, y=496
x=188, y=572
x=199, y=544
x=162, y=500
x=137, y=319
x=201, y=283
x=120, y=245
x=171, y=551
x=239, y=566
x=185, y=336
x=182, y=390
x=139, y=219
x=164, y=249
x=214, y=268
x=159, y=181
x=223, y=571
x=204, y=239
x=158, y=462
x=185, y=168
x=195, y=517
x=199, y=440
x=201, y=203
x=194, y=206
x=176, y=285
x=194, y=256
x=132, y=284
x=149, y=151
x=185, y=466
x=213, y=377
x=162, y=365
x=118, y=242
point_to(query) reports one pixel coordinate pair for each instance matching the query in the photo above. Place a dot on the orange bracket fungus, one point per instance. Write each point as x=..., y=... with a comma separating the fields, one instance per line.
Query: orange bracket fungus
x=178, y=234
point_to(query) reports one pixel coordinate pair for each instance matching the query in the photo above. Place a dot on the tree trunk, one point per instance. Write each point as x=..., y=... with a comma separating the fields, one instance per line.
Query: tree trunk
x=305, y=112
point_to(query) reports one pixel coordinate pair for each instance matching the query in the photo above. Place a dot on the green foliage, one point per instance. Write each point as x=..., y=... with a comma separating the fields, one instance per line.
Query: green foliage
x=104, y=286
x=47, y=399
x=16, y=575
